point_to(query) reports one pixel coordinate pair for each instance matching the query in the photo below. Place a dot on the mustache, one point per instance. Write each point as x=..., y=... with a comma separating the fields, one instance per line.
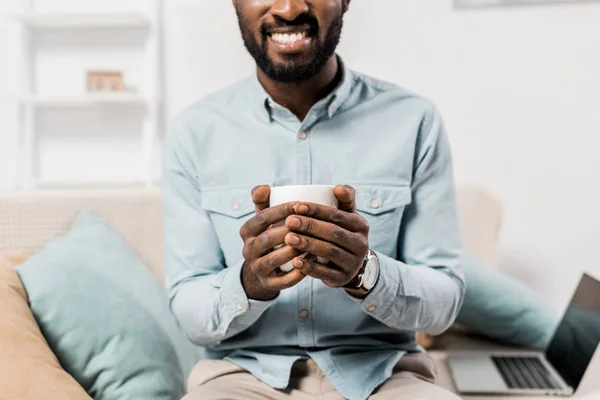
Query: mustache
x=303, y=19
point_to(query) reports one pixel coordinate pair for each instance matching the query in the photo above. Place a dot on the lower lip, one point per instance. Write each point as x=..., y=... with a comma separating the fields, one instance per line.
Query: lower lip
x=290, y=48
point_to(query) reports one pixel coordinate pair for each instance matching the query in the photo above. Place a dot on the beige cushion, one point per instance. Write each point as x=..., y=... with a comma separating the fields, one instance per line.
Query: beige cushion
x=480, y=222
x=28, y=368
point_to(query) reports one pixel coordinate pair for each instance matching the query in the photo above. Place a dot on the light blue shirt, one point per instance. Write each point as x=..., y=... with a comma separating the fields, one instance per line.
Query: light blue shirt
x=386, y=142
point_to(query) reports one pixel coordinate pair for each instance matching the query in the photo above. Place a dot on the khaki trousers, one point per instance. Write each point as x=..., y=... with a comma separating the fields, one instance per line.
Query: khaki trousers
x=413, y=379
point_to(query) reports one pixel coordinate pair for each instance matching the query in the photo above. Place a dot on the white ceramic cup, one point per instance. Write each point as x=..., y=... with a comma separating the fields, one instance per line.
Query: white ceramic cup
x=318, y=194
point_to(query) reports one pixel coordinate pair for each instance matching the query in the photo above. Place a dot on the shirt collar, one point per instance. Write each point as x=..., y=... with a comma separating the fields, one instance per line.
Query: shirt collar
x=342, y=92
x=333, y=101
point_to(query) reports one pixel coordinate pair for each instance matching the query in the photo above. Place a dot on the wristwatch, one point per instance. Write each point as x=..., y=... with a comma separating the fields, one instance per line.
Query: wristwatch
x=367, y=275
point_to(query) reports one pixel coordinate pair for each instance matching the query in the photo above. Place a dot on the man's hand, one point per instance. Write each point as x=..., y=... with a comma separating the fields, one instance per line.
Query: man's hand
x=261, y=278
x=339, y=235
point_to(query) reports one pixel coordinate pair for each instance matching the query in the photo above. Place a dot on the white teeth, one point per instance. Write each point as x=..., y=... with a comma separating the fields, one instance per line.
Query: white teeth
x=288, y=38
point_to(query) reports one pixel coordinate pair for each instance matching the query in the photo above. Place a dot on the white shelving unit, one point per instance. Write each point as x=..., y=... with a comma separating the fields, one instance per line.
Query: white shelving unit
x=144, y=102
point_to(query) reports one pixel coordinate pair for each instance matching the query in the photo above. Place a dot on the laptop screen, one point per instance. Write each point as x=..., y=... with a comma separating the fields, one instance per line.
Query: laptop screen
x=578, y=334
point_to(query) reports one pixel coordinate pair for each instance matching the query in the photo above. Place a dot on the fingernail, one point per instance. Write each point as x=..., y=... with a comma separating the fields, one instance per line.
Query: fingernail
x=301, y=209
x=293, y=239
x=294, y=222
x=298, y=263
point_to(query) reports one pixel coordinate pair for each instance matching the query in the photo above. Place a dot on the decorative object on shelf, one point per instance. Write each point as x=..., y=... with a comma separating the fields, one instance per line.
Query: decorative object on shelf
x=105, y=81
x=492, y=3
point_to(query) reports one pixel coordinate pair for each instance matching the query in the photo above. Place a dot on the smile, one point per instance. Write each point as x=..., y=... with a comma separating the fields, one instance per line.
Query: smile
x=289, y=38
x=290, y=42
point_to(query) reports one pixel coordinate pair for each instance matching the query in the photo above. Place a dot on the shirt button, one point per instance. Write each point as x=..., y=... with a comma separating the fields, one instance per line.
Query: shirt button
x=395, y=325
x=372, y=308
x=374, y=204
x=222, y=331
x=239, y=306
x=304, y=314
x=236, y=206
x=303, y=135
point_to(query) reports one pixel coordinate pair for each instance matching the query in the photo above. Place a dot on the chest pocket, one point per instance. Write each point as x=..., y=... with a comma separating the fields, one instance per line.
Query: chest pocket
x=228, y=209
x=233, y=202
x=383, y=207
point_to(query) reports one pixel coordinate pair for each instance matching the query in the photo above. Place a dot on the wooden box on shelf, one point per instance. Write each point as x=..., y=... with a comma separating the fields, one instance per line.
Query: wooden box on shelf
x=105, y=81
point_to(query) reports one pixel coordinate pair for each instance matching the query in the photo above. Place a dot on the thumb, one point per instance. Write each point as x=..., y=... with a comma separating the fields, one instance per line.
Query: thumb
x=260, y=197
x=346, y=196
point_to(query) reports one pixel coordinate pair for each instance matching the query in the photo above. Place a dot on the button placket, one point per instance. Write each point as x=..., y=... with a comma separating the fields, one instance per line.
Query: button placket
x=303, y=158
x=305, y=318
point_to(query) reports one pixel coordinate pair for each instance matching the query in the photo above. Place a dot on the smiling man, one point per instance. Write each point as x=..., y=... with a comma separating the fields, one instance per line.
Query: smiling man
x=333, y=330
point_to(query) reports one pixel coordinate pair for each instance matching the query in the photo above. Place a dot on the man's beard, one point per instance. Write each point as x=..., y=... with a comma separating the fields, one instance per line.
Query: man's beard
x=291, y=70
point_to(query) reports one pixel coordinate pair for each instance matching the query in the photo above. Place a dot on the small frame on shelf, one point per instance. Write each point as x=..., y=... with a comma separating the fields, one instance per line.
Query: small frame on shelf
x=105, y=81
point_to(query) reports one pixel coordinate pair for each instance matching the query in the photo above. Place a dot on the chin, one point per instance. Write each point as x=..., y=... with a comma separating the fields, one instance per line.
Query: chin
x=292, y=62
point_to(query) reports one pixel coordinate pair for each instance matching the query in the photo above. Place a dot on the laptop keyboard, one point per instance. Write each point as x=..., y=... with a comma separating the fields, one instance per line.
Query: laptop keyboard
x=525, y=373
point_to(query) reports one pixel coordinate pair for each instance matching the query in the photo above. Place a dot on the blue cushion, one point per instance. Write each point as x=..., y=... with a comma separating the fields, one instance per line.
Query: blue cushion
x=502, y=308
x=106, y=317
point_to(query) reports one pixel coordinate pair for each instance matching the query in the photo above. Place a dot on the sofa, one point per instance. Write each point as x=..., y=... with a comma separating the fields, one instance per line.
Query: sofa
x=29, y=220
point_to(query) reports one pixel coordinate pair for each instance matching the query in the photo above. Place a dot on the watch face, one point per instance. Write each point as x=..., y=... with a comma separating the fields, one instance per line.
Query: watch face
x=371, y=273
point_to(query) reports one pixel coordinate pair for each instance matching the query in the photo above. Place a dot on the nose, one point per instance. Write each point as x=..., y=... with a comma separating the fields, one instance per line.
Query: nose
x=289, y=9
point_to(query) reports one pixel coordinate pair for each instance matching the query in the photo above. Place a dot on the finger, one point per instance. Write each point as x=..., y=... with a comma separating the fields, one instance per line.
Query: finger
x=330, y=276
x=265, y=218
x=266, y=241
x=320, y=248
x=267, y=264
x=260, y=197
x=286, y=281
x=346, y=220
x=346, y=196
x=353, y=242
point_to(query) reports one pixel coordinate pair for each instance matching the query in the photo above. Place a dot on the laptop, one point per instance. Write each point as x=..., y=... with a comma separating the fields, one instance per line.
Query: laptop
x=558, y=371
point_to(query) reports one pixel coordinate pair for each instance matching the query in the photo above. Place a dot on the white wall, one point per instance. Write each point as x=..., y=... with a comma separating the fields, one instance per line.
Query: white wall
x=519, y=88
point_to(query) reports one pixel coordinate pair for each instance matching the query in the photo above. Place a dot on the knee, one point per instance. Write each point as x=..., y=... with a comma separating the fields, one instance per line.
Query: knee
x=207, y=393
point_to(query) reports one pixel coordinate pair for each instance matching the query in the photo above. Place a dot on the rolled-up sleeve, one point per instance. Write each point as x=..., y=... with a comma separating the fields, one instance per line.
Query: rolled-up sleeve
x=206, y=296
x=424, y=288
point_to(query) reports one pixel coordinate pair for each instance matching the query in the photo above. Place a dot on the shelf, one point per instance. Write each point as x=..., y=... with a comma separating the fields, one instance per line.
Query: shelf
x=56, y=21
x=88, y=100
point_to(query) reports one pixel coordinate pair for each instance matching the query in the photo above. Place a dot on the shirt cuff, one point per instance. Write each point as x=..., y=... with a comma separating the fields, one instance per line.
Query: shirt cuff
x=385, y=294
x=237, y=307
